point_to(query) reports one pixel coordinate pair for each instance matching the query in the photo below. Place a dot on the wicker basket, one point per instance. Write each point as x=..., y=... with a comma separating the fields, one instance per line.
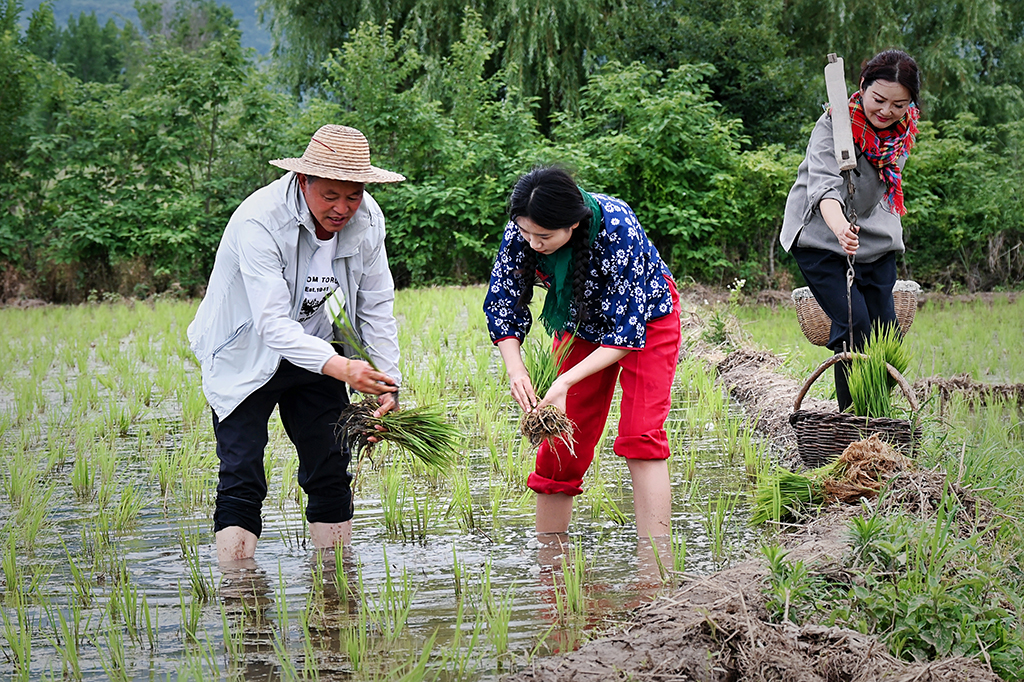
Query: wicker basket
x=817, y=327
x=822, y=436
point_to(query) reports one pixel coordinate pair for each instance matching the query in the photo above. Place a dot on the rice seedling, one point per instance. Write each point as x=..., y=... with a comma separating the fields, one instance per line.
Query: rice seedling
x=112, y=654
x=57, y=450
x=124, y=605
x=65, y=640
x=420, y=431
x=499, y=615
x=203, y=586
x=81, y=585
x=602, y=505
x=194, y=409
x=784, y=495
x=461, y=505
x=389, y=612
x=289, y=490
x=310, y=669
x=281, y=606
x=393, y=484
x=151, y=619
x=571, y=600
x=755, y=456
x=126, y=513
x=423, y=511
x=715, y=520
x=663, y=571
x=678, y=543
x=355, y=640
x=191, y=610
x=458, y=657
x=340, y=576
x=21, y=480
x=30, y=517
x=17, y=630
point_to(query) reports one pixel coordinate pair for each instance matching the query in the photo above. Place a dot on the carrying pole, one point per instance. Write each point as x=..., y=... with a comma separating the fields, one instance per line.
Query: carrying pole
x=846, y=156
x=842, y=131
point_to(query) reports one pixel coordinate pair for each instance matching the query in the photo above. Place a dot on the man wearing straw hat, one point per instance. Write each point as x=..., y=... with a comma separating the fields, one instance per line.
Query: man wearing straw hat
x=263, y=338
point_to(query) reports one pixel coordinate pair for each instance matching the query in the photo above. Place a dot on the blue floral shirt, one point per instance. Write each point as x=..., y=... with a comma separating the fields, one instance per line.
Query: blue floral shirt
x=626, y=287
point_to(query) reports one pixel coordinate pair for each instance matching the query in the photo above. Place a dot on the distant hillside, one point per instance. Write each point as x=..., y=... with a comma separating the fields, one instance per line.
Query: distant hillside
x=253, y=34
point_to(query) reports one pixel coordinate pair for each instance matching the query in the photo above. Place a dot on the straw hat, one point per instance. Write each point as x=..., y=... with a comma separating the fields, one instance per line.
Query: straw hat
x=338, y=153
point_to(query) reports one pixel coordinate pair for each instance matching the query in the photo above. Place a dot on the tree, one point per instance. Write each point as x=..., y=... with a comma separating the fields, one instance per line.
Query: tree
x=969, y=51
x=755, y=79
x=544, y=46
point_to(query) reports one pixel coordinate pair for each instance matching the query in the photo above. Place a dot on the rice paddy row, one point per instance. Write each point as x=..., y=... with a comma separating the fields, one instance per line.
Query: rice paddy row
x=109, y=475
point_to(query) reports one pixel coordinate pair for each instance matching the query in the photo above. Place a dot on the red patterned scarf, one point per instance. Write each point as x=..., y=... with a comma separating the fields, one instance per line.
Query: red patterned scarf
x=884, y=147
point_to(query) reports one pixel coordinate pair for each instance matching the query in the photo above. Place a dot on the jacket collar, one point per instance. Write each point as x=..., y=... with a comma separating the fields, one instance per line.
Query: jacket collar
x=346, y=241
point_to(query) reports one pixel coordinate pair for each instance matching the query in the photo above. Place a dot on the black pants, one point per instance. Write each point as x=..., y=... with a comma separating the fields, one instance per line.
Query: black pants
x=309, y=405
x=870, y=295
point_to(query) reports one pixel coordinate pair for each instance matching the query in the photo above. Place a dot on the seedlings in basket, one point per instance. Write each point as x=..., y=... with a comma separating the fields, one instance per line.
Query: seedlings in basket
x=869, y=380
x=542, y=362
x=421, y=431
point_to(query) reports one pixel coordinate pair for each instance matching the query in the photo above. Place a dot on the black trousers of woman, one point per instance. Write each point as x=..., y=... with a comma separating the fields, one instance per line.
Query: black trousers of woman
x=871, y=295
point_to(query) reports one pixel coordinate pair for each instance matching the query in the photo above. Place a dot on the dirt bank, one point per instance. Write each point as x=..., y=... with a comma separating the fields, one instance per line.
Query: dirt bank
x=715, y=629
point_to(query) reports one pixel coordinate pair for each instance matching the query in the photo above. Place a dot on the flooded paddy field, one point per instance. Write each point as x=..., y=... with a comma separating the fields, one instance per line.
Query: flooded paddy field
x=108, y=479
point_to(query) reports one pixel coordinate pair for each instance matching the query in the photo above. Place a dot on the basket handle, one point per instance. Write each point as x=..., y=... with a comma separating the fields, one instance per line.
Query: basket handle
x=838, y=357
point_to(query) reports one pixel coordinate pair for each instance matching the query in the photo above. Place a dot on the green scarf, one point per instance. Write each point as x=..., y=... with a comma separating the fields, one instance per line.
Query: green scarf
x=558, y=267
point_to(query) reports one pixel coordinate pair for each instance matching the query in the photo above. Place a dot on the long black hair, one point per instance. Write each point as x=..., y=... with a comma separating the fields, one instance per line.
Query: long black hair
x=549, y=197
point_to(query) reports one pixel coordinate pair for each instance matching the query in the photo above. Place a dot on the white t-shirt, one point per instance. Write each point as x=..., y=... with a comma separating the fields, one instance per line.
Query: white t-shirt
x=320, y=282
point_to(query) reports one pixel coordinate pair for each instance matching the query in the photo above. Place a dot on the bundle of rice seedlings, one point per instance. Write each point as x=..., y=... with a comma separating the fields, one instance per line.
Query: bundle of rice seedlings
x=421, y=431
x=783, y=495
x=870, y=383
x=549, y=422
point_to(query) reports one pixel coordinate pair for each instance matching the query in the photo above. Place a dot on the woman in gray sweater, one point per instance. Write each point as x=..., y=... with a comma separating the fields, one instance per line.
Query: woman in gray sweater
x=815, y=229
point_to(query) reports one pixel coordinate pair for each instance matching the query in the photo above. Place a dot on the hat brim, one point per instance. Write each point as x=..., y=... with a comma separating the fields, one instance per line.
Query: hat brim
x=372, y=174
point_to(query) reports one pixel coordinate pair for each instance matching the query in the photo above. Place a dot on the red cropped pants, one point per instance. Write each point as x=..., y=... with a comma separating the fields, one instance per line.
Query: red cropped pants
x=646, y=377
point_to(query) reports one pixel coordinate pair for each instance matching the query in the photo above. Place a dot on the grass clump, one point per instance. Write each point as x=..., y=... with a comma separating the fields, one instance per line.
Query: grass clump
x=870, y=383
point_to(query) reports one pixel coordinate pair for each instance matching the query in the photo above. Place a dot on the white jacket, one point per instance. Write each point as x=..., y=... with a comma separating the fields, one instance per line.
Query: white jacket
x=247, y=321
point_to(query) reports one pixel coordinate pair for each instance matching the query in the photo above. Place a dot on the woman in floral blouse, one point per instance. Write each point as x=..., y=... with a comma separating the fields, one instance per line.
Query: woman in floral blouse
x=610, y=292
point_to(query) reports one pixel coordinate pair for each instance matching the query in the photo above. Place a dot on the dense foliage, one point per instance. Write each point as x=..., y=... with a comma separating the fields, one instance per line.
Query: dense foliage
x=126, y=149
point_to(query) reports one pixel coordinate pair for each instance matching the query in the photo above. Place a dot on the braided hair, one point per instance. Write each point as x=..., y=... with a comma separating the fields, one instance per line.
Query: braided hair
x=549, y=197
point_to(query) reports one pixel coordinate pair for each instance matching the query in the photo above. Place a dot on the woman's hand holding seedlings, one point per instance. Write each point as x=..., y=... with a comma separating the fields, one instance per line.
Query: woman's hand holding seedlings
x=522, y=389
x=556, y=395
x=518, y=377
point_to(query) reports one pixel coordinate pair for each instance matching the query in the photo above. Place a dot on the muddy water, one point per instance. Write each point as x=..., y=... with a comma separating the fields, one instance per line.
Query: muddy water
x=103, y=578
x=620, y=576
